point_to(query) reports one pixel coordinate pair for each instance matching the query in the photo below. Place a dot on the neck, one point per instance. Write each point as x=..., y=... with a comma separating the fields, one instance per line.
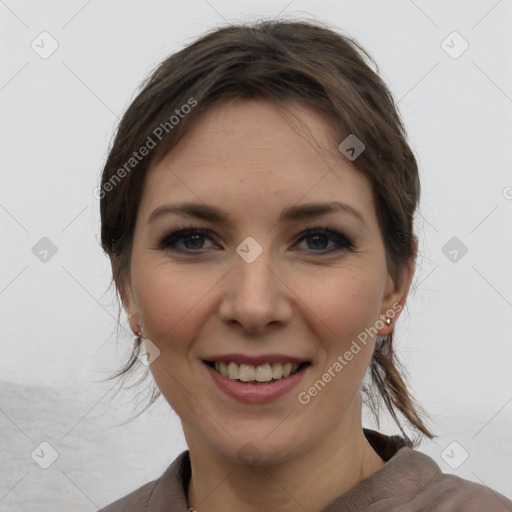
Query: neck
x=309, y=481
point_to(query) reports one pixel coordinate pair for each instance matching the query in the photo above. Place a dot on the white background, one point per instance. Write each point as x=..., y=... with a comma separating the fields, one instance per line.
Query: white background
x=58, y=318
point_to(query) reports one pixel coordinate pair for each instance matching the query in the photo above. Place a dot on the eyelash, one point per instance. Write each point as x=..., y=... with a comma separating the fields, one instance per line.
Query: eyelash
x=169, y=241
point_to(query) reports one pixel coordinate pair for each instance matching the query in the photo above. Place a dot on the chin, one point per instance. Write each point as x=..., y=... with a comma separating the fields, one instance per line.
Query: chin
x=259, y=450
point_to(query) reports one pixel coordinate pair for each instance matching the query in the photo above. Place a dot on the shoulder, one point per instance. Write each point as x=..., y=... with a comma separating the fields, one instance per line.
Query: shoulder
x=450, y=492
x=411, y=480
x=423, y=486
x=136, y=501
x=158, y=495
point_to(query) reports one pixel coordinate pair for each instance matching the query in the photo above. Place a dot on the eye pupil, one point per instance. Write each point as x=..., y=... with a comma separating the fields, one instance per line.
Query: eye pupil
x=316, y=237
x=195, y=238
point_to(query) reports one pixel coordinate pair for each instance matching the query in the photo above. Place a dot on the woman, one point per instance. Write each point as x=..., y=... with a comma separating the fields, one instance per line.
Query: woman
x=257, y=206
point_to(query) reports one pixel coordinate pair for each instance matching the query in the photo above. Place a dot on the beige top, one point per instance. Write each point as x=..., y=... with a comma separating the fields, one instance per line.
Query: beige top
x=409, y=481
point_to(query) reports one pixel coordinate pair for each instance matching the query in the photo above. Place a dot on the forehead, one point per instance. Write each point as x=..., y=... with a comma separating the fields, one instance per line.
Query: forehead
x=255, y=153
x=264, y=131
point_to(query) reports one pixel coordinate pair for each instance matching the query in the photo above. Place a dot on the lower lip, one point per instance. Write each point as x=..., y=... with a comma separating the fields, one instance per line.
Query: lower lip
x=256, y=393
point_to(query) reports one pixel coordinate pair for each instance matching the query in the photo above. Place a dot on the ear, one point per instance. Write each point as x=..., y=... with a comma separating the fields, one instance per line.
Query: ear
x=127, y=294
x=396, y=293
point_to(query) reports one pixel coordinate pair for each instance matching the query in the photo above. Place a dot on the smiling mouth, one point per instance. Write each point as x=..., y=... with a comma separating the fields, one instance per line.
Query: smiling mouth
x=261, y=374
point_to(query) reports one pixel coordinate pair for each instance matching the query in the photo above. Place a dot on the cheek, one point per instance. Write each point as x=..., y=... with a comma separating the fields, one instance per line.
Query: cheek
x=347, y=303
x=349, y=306
x=164, y=299
x=172, y=301
x=173, y=304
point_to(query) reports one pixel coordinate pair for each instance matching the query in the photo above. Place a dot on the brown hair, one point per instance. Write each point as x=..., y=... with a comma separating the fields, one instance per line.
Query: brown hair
x=279, y=61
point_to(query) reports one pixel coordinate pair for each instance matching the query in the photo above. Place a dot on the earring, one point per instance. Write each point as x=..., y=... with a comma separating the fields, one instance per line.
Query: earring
x=384, y=340
x=138, y=337
x=137, y=343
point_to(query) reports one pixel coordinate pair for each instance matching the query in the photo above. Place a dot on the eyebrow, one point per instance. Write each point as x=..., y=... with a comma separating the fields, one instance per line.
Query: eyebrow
x=292, y=213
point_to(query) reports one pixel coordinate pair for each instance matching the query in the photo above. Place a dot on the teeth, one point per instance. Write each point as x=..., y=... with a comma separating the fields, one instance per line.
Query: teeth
x=264, y=373
x=233, y=370
x=250, y=373
x=277, y=370
x=247, y=372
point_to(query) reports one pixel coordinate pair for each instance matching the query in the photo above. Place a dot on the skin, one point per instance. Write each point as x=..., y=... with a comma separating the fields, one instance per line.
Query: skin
x=251, y=159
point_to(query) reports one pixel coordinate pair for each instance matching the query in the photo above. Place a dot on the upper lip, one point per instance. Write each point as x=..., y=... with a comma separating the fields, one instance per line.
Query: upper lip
x=256, y=360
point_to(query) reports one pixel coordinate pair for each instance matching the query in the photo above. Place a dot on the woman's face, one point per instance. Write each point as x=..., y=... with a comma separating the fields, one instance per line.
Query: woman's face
x=259, y=286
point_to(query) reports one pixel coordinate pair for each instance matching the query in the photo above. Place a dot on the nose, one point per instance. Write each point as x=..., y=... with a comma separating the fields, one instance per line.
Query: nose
x=255, y=297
